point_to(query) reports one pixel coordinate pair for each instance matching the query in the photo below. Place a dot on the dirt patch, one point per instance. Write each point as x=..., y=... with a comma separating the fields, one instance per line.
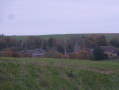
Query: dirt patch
x=101, y=71
x=57, y=64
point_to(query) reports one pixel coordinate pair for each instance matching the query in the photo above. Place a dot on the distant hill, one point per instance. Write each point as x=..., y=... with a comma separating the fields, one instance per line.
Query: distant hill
x=109, y=36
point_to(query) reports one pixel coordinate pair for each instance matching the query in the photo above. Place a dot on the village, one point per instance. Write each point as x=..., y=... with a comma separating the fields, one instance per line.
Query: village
x=91, y=48
x=110, y=52
x=59, y=44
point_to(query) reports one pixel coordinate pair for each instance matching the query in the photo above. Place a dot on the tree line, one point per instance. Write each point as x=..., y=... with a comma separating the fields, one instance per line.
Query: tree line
x=52, y=45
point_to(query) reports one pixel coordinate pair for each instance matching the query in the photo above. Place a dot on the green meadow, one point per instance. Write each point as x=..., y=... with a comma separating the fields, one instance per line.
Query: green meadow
x=67, y=36
x=58, y=74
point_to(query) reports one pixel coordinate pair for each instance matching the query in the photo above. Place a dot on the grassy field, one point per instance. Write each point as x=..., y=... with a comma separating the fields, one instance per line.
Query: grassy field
x=66, y=36
x=56, y=74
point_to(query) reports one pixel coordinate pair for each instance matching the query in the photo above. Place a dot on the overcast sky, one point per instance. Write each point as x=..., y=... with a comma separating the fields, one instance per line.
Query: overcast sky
x=39, y=17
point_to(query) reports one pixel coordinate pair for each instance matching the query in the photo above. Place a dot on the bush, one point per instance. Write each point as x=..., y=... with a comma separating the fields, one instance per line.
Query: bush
x=15, y=54
x=24, y=54
x=74, y=55
x=51, y=54
x=83, y=55
x=65, y=56
x=8, y=53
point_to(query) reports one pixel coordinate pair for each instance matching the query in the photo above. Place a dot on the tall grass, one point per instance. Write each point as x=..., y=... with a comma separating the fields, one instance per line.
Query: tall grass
x=56, y=74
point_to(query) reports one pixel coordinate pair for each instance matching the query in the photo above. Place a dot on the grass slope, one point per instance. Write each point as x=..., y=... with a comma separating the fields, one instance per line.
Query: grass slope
x=66, y=36
x=54, y=74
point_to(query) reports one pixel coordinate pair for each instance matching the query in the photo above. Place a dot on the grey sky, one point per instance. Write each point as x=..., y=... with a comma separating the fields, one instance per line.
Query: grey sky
x=38, y=17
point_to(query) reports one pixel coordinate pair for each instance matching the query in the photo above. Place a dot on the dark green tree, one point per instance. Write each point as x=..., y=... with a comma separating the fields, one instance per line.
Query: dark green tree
x=98, y=53
x=60, y=49
x=33, y=42
x=52, y=42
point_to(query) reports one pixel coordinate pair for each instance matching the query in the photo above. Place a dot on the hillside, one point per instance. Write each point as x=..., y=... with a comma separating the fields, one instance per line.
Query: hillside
x=66, y=36
x=55, y=74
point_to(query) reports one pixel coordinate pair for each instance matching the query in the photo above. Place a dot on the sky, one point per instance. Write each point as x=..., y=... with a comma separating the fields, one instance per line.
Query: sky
x=41, y=17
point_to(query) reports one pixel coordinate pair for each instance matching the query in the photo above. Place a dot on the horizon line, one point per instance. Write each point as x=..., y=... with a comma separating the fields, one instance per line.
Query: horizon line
x=57, y=34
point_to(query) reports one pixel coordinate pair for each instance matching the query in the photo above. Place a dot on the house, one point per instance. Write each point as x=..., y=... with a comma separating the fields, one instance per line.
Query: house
x=68, y=51
x=108, y=48
x=110, y=51
x=32, y=53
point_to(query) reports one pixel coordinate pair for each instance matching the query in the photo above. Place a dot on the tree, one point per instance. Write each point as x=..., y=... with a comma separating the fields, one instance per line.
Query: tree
x=33, y=42
x=98, y=53
x=3, y=44
x=52, y=42
x=60, y=49
x=44, y=45
x=72, y=41
x=102, y=41
x=7, y=42
x=96, y=40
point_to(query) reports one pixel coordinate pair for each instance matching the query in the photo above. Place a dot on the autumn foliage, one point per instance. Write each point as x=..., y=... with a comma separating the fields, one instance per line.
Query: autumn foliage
x=8, y=53
x=83, y=55
x=51, y=54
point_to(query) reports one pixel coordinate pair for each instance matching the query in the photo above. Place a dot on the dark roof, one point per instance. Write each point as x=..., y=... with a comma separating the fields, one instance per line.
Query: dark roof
x=37, y=50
